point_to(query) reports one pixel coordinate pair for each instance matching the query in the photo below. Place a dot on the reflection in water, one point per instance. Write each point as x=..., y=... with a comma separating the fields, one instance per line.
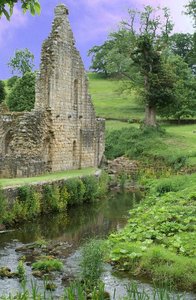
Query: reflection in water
x=78, y=223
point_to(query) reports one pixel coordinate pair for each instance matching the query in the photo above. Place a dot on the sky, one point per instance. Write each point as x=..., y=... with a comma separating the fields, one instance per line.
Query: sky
x=91, y=22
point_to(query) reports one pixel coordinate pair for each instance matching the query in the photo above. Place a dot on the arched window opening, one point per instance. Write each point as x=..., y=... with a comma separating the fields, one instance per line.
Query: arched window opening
x=76, y=94
x=8, y=139
x=74, y=151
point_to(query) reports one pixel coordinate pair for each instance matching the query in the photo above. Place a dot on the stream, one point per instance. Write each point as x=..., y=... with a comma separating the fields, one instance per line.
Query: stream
x=69, y=231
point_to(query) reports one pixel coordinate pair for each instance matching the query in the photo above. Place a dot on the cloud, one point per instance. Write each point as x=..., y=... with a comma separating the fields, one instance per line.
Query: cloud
x=7, y=28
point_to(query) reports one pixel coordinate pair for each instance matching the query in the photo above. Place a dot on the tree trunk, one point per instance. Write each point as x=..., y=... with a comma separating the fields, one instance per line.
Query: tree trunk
x=150, y=116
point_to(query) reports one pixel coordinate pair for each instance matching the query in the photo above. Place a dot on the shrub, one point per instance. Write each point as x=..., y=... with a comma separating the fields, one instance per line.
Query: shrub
x=2, y=91
x=30, y=201
x=76, y=190
x=103, y=184
x=22, y=95
x=51, y=199
x=91, y=188
x=168, y=185
x=64, y=198
x=3, y=207
x=11, y=81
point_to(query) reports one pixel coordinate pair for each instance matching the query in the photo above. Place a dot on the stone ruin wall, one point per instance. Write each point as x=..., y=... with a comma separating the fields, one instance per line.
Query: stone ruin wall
x=62, y=131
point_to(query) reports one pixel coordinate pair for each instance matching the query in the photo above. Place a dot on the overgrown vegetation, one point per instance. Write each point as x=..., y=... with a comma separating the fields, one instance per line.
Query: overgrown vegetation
x=159, y=239
x=149, y=145
x=31, y=202
x=92, y=263
x=48, y=265
x=22, y=95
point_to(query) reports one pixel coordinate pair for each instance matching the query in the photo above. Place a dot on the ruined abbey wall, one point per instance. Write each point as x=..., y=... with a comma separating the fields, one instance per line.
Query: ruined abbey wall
x=61, y=132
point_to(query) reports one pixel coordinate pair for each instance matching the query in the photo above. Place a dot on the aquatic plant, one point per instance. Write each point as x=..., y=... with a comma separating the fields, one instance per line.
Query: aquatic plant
x=91, y=262
x=48, y=265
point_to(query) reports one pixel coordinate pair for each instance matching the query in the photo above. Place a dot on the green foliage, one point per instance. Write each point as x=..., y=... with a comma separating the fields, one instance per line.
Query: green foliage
x=21, y=270
x=3, y=207
x=26, y=206
x=22, y=62
x=182, y=44
x=91, y=262
x=184, y=90
x=159, y=239
x=11, y=81
x=91, y=188
x=103, y=184
x=137, y=52
x=76, y=190
x=2, y=91
x=22, y=95
x=147, y=144
x=99, y=57
x=6, y=7
x=171, y=184
x=52, y=198
x=191, y=10
x=48, y=265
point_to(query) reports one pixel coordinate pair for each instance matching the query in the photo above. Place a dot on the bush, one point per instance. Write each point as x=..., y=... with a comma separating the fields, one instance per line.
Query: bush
x=50, y=199
x=11, y=81
x=2, y=91
x=22, y=95
x=64, y=198
x=27, y=204
x=91, y=188
x=3, y=207
x=103, y=184
x=76, y=190
x=169, y=185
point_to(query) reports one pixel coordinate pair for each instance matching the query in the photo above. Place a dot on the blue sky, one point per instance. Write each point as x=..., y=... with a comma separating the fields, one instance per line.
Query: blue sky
x=91, y=21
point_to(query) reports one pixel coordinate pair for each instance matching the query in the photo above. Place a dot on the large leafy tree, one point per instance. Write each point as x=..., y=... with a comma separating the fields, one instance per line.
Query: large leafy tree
x=6, y=7
x=99, y=57
x=22, y=94
x=22, y=62
x=137, y=54
x=182, y=44
x=184, y=89
x=191, y=10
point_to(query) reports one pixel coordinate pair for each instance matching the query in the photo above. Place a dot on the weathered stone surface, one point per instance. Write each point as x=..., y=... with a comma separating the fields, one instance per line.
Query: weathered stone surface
x=122, y=165
x=62, y=131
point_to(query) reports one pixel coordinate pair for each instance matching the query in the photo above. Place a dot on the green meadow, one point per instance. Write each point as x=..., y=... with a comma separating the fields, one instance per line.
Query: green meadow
x=111, y=102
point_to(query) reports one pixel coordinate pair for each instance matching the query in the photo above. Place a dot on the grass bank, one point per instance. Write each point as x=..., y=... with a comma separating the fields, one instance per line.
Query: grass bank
x=173, y=146
x=30, y=201
x=5, y=182
x=110, y=101
x=159, y=240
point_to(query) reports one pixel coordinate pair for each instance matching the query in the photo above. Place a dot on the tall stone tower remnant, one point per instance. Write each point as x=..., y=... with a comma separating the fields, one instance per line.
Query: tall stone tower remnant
x=62, y=131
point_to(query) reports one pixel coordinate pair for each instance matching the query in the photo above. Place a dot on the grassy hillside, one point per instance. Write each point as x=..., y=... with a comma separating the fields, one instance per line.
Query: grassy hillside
x=110, y=102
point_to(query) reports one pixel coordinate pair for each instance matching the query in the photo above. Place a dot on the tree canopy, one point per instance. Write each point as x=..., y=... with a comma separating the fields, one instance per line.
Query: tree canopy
x=7, y=6
x=191, y=10
x=22, y=94
x=137, y=54
x=22, y=62
x=150, y=60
